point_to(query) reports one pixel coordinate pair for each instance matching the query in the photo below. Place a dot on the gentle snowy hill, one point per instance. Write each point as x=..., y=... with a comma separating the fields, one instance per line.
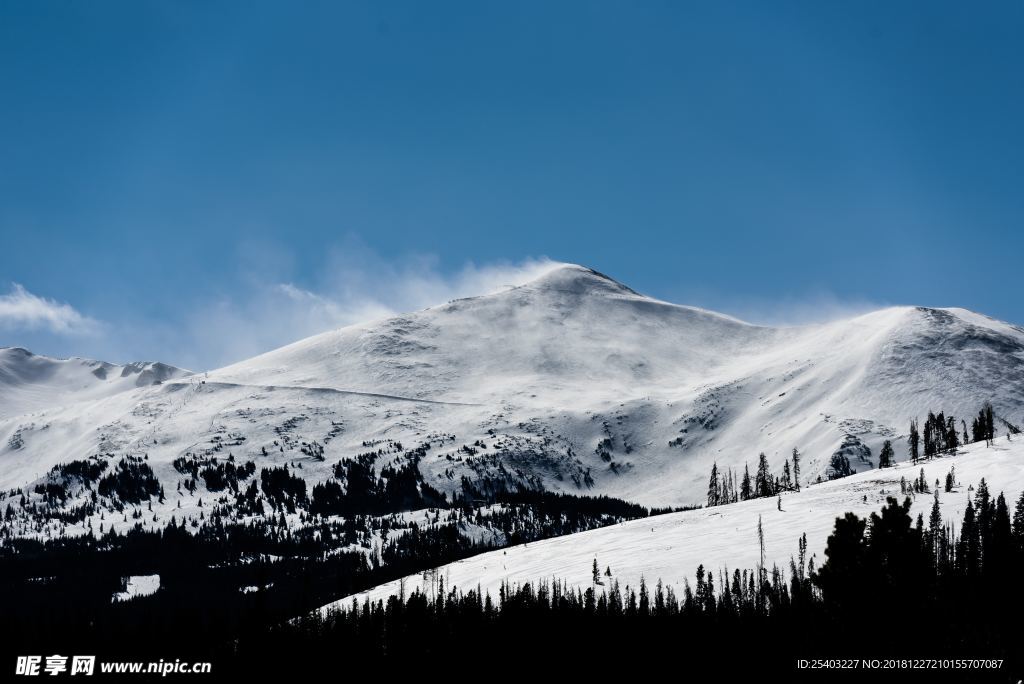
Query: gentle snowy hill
x=29, y=382
x=572, y=382
x=724, y=538
x=570, y=330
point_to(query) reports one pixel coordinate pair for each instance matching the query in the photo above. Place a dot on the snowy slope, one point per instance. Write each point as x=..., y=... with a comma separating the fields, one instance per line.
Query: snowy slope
x=30, y=382
x=670, y=547
x=572, y=382
x=569, y=330
x=582, y=359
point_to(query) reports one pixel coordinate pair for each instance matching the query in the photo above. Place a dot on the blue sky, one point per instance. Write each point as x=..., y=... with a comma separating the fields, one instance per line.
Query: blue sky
x=199, y=181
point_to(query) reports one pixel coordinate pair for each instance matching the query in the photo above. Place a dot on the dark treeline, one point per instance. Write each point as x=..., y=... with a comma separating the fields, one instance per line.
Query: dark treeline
x=726, y=487
x=890, y=587
x=939, y=436
x=223, y=580
x=132, y=481
x=223, y=576
x=59, y=593
x=359, y=489
x=591, y=505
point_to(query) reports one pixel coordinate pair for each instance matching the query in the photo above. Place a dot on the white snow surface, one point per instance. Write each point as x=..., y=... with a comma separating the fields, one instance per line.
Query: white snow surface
x=573, y=382
x=723, y=538
x=30, y=382
x=137, y=586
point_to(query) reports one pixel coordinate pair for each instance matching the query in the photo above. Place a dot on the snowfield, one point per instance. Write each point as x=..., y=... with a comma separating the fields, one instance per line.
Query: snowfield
x=137, y=586
x=571, y=382
x=723, y=538
x=30, y=382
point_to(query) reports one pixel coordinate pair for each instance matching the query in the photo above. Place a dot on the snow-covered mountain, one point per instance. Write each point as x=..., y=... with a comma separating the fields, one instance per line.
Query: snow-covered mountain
x=571, y=382
x=29, y=382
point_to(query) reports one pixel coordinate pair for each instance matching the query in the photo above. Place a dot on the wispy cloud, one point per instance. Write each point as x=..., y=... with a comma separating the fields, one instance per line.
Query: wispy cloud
x=270, y=305
x=355, y=286
x=22, y=310
x=810, y=308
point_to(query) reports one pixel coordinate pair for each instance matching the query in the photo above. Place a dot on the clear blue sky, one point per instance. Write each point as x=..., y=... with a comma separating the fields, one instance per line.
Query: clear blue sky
x=167, y=167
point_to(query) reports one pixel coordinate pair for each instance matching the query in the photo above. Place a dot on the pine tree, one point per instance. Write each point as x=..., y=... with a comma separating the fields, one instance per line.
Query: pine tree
x=787, y=477
x=939, y=434
x=760, y=541
x=745, y=484
x=968, y=553
x=714, y=489
x=839, y=466
x=996, y=555
x=1018, y=522
x=700, y=597
x=985, y=510
x=929, y=435
x=796, y=469
x=841, y=578
x=984, y=425
x=885, y=458
x=913, y=440
x=763, y=479
x=645, y=599
x=935, y=525
x=952, y=439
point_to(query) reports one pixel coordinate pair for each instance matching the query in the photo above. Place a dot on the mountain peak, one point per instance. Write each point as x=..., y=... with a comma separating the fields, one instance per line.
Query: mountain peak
x=578, y=280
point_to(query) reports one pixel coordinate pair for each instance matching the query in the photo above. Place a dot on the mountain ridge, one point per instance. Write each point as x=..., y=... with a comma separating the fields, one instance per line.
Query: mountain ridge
x=572, y=382
x=32, y=381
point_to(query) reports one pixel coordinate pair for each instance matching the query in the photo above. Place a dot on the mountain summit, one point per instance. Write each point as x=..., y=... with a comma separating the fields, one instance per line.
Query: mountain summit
x=570, y=331
x=578, y=280
x=572, y=381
